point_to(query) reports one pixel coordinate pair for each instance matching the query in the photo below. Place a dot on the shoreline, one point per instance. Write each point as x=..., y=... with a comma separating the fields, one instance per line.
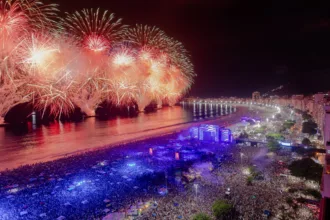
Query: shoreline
x=172, y=130
x=134, y=137
x=122, y=175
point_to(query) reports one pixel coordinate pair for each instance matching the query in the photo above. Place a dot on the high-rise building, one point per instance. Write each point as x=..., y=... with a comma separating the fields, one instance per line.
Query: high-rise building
x=298, y=102
x=325, y=183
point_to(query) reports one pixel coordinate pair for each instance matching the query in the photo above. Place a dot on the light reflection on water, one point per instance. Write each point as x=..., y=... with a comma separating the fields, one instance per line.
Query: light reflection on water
x=31, y=144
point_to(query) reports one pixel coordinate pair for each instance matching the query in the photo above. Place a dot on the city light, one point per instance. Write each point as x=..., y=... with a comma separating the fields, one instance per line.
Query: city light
x=131, y=164
x=246, y=171
x=97, y=120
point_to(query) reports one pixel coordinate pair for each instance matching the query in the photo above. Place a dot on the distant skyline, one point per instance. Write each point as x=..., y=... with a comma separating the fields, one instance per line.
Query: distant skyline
x=238, y=47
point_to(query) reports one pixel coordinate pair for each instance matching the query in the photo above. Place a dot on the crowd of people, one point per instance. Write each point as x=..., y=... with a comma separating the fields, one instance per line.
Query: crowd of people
x=152, y=172
x=265, y=197
x=88, y=185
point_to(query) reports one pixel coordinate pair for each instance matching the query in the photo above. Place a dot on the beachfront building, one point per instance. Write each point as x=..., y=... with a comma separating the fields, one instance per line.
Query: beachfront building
x=298, y=101
x=325, y=183
x=255, y=96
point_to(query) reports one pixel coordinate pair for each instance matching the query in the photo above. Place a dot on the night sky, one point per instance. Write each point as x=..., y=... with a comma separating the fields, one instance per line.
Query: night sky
x=238, y=47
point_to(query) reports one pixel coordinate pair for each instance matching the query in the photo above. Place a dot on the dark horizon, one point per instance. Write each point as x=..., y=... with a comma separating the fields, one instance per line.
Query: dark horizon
x=238, y=47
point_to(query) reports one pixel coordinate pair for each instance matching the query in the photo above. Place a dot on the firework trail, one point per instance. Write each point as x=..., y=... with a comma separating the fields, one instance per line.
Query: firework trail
x=18, y=18
x=50, y=65
x=167, y=60
x=146, y=36
x=84, y=59
x=94, y=30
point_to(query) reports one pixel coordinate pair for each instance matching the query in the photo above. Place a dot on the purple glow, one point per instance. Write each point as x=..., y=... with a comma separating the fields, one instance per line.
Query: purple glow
x=226, y=135
x=209, y=133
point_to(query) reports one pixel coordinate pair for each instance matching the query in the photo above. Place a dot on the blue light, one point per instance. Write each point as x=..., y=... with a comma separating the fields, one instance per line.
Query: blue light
x=80, y=183
x=127, y=172
x=226, y=135
x=287, y=144
x=71, y=188
x=162, y=191
x=209, y=133
x=132, y=164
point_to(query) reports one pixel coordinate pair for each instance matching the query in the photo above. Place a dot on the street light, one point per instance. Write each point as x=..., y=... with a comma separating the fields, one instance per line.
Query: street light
x=196, y=189
x=241, y=156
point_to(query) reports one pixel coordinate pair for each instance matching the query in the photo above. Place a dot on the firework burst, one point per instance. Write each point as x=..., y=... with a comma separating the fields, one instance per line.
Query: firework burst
x=147, y=37
x=12, y=19
x=38, y=53
x=27, y=15
x=85, y=59
x=95, y=30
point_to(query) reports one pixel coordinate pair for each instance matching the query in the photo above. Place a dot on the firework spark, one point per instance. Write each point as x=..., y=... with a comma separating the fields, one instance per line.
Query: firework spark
x=27, y=15
x=123, y=58
x=38, y=53
x=146, y=36
x=94, y=29
x=85, y=59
